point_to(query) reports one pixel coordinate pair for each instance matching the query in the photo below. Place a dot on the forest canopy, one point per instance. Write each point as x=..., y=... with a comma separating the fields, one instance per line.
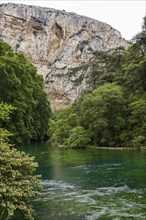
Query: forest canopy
x=22, y=87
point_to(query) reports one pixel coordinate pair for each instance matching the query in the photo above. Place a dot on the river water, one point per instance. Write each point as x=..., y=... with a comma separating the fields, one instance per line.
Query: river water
x=90, y=184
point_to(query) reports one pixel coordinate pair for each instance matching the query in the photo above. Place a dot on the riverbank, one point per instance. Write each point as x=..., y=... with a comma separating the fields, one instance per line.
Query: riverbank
x=120, y=148
x=109, y=148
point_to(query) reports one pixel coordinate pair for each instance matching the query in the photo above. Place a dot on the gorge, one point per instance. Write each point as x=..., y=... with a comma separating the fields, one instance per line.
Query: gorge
x=59, y=44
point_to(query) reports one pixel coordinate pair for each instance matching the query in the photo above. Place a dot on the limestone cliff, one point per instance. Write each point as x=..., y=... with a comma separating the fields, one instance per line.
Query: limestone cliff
x=57, y=43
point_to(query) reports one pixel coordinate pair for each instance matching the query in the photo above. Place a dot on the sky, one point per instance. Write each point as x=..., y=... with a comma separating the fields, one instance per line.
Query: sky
x=124, y=15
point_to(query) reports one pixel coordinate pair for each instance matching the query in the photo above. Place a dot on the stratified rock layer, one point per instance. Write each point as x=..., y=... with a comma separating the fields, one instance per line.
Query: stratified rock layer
x=57, y=43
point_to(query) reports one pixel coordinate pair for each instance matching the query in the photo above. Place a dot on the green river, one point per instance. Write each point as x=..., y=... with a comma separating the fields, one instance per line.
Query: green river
x=90, y=184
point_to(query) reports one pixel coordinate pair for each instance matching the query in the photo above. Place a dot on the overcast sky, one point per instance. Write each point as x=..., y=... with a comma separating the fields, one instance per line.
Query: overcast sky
x=124, y=15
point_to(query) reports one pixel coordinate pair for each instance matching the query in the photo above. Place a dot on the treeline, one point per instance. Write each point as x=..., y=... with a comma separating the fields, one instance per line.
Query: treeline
x=113, y=111
x=18, y=185
x=24, y=117
x=22, y=87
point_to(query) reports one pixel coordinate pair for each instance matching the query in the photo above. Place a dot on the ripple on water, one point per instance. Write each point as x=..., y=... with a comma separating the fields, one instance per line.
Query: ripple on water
x=54, y=184
x=101, y=203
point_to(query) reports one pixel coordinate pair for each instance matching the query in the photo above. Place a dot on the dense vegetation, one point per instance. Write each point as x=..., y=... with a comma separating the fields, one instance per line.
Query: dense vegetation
x=113, y=111
x=17, y=184
x=24, y=117
x=22, y=87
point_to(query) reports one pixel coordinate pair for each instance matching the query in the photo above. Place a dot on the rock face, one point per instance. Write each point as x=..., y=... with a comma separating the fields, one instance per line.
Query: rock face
x=59, y=44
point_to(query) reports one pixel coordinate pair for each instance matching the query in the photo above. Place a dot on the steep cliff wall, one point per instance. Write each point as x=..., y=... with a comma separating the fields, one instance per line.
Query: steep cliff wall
x=57, y=43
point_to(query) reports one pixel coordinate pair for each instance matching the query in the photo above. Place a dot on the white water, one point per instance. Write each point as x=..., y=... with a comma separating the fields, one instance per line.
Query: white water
x=115, y=202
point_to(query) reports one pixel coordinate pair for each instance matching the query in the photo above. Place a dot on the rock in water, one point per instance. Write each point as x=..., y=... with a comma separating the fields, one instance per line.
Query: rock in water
x=59, y=44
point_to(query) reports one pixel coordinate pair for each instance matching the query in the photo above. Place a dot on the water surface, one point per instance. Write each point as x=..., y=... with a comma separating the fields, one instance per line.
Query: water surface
x=90, y=184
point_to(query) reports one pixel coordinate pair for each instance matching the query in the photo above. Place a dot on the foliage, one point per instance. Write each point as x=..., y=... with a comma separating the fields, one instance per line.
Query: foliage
x=78, y=138
x=60, y=128
x=113, y=112
x=22, y=87
x=17, y=184
x=136, y=123
x=5, y=111
x=102, y=112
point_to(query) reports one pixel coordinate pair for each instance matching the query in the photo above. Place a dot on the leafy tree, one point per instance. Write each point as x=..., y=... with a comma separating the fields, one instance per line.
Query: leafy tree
x=140, y=39
x=5, y=111
x=22, y=87
x=124, y=66
x=102, y=112
x=60, y=128
x=17, y=183
x=78, y=138
x=136, y=124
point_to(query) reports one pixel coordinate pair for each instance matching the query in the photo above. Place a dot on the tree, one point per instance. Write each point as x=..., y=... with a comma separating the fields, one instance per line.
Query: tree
x=102, y=114
x=60, y=128
x=22, y=87
x=18, y=186
x=135, y=133
x=78, y=138
x=140, y=39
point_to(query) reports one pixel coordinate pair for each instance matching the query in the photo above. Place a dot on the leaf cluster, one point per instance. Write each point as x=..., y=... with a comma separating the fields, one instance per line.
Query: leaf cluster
x=18, y=185
x=22, y=87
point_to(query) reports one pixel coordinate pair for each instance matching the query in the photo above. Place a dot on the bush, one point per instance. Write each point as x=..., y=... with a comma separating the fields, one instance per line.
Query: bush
x=78, y=138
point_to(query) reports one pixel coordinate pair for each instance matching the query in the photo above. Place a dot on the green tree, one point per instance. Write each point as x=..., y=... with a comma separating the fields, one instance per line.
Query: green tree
x=18, y=186
x=60, y=128
x=22, y=87
x=78, y=138
x=103, y=114
x=135, y=134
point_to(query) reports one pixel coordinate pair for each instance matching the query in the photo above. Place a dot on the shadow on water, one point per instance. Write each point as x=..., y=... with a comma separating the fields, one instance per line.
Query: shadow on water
x=89, y=184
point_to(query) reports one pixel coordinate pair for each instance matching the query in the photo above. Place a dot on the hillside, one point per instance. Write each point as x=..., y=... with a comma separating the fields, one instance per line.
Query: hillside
x=59, y=44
